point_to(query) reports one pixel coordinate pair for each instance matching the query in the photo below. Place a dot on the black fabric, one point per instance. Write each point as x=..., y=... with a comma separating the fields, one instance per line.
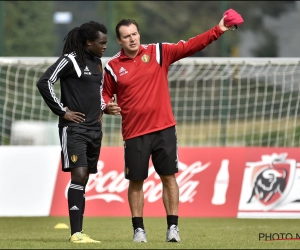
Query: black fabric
x=137, y=222
x=83, y=204
x=75, y=204
x=82, y=210
x=80, y=94
x=81, y=148
x=172, y=220
x=162, y=145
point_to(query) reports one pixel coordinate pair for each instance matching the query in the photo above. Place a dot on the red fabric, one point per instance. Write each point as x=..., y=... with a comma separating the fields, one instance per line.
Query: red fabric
x=232, y=18
x=141, y=84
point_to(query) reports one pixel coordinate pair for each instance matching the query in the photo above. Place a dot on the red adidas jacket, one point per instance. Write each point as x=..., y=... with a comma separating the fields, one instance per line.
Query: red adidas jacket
x=141, y=83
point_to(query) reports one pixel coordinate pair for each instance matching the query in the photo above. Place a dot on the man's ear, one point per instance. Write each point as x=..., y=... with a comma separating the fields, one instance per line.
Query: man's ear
x=119, y=41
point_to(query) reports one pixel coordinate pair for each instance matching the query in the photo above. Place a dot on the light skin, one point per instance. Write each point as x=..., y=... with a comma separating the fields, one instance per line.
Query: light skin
x=170, y=196
x=130, y=42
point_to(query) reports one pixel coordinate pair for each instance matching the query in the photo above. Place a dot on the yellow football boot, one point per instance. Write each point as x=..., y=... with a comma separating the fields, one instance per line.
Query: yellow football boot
x=82, y=238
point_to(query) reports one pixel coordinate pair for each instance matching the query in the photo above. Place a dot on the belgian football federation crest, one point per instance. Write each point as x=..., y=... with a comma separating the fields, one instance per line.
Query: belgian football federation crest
x=74, y=158
x=145, y=58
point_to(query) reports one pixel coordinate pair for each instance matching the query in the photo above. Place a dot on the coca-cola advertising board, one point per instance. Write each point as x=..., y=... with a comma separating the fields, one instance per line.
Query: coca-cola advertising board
x=213, y=182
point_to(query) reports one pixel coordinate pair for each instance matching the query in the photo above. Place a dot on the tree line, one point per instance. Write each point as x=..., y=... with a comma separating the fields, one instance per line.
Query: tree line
x=29, y=30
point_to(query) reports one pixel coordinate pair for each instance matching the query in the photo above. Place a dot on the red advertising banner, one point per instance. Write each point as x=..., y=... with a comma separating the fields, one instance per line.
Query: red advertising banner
x=213, y=182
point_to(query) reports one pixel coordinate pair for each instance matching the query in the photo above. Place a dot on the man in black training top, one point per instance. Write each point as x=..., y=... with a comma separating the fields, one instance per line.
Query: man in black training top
x=80, y=112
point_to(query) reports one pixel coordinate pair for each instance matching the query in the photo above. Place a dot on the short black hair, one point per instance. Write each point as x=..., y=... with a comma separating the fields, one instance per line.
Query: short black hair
x=125, y=22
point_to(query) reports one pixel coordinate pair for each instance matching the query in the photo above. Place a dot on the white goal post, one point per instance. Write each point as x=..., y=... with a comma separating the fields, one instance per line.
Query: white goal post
x=216, y=101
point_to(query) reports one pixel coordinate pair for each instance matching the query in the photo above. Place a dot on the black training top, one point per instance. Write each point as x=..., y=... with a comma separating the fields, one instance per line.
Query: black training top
x=81, y=89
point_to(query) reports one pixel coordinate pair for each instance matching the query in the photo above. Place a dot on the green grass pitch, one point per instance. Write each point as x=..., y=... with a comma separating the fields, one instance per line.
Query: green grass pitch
x=116, y=233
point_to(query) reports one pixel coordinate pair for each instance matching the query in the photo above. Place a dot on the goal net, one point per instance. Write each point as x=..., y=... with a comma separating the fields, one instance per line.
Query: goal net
x=216, y=102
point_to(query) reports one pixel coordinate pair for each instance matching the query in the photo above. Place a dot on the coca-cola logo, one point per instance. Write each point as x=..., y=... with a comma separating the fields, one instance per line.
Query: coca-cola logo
x=109, y=186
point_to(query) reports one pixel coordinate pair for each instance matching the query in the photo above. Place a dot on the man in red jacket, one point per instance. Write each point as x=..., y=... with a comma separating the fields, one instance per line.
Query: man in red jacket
x=138, y=77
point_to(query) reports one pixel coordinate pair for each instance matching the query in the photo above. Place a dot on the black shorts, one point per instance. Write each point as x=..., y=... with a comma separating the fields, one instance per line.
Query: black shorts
x=161, y=145
x=80, y=147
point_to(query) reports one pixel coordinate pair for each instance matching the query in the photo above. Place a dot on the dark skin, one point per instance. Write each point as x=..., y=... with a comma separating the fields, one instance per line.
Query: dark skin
x=80, y=175
x=73, y=116
x=77, y=117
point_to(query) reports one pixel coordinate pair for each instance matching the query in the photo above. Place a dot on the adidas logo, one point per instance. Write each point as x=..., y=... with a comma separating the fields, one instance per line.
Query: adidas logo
x=122, y=71
x=86, y=71
x=74, y=208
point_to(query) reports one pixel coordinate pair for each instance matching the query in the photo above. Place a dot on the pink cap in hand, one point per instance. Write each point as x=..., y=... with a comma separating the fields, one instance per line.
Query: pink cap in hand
x=232, y=18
